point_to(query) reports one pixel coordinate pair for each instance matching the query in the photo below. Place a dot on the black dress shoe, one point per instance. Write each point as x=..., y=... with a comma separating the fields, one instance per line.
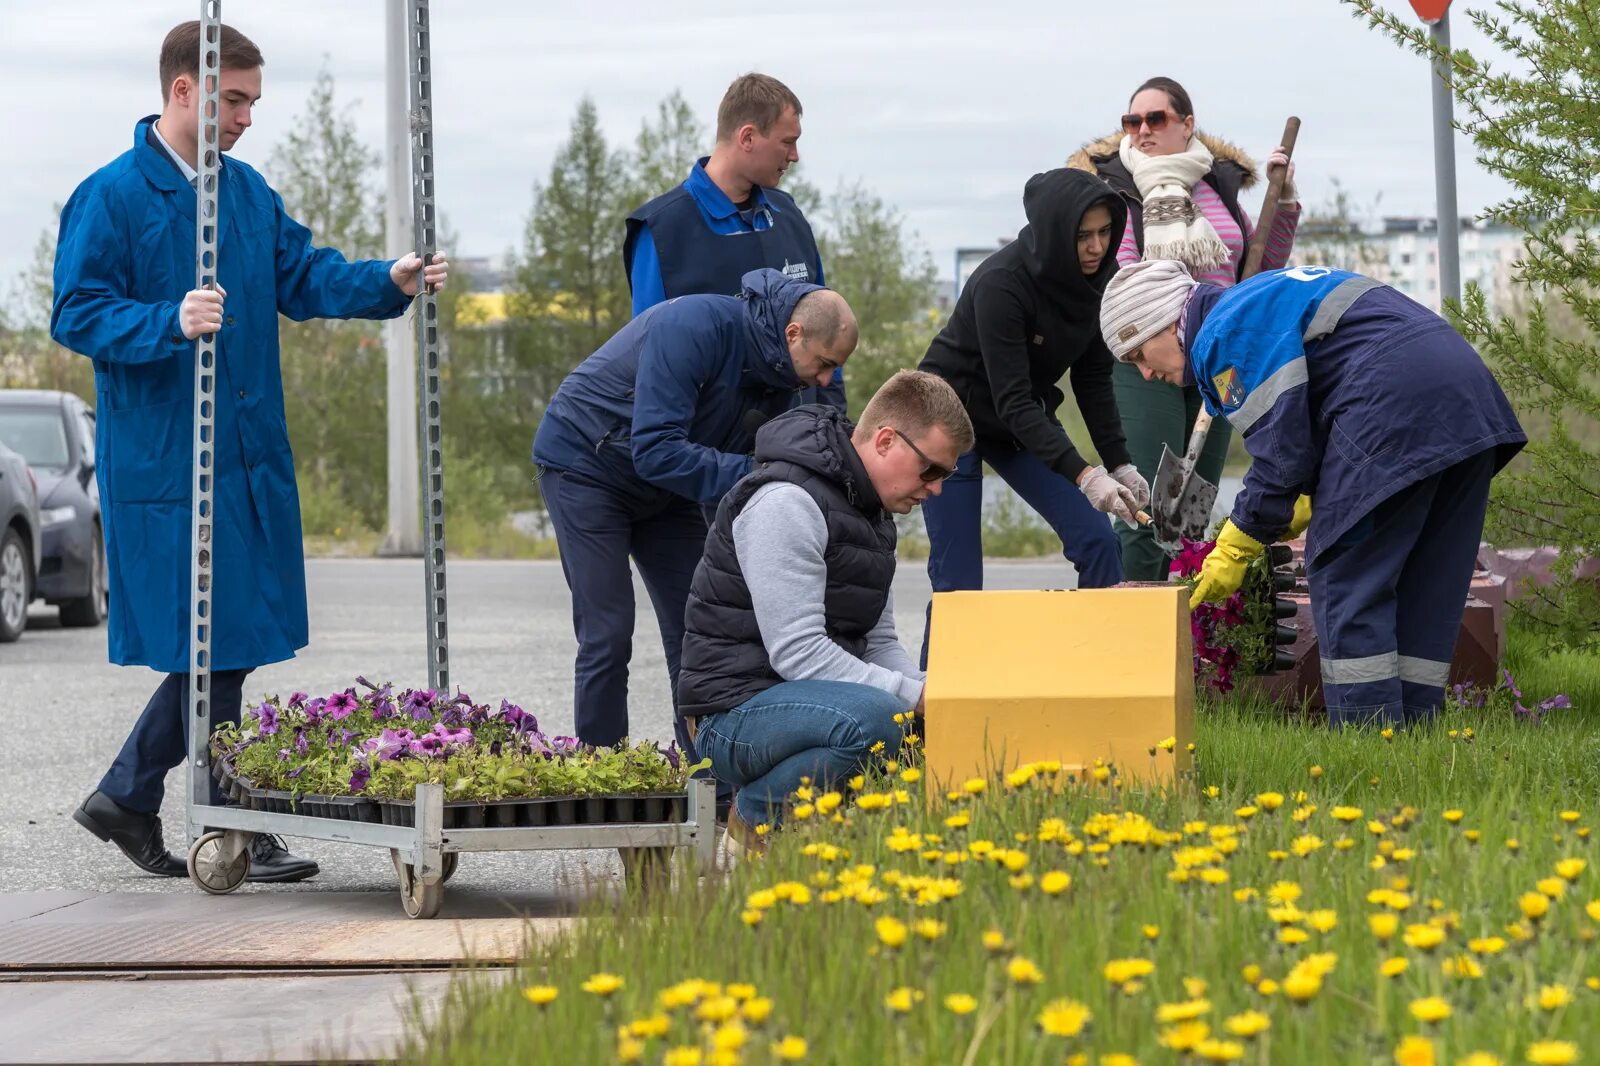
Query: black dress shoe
x=136, y=833
x=271, y=861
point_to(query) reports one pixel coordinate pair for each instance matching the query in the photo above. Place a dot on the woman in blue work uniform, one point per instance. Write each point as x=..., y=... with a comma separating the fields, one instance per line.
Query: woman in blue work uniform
x=1349, y=393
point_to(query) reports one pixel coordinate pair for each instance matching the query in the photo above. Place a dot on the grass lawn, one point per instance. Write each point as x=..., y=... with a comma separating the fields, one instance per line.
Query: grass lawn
x=1313, y=898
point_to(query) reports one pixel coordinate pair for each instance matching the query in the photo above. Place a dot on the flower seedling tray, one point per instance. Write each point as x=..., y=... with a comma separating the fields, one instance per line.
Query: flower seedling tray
x=625, y=808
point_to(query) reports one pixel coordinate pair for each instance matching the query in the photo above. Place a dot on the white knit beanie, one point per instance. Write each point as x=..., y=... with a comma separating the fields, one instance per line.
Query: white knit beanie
x=1142, y=299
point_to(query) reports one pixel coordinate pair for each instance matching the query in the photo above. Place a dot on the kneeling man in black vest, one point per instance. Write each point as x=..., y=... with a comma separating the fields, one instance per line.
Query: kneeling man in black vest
x=792, y=668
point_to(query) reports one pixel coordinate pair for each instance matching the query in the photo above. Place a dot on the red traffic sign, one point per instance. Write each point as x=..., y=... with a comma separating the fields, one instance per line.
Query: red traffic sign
x=1430, y=10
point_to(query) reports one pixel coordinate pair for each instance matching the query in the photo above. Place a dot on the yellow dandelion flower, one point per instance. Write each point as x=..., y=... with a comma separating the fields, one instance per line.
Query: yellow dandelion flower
x=1292, y=934
x=1323, y=921
x=789, y=1049
x=1425, y=937
x=1118, y=1058
x=1214, y=1050
x=681, y=1056
x=974, y=786
x=1023, y=972
x=1300, y=986
x=657, y=1024
x=1246, y=812
x=1472, y=835
x=1251, y=973
x=802, y=811
x=1535, y=905
x=1022, y=882
x=1187, y=1011
x=1553, y=997
x=911, y=775
x=630, y=1050
x=1486, y=945
x=1571, y=869
x=1151, y=932
x=1186, y=1036
x=1316, y=772
x=1430, y=1009
x=1064, y=1017
x=1464, y=966
x=1346, y=814
x=1552, y=887
x=1592, y=983
x=929, y=928
x=1168, y=744
x=891, y=931
x=1211, y=875
x=960, y=1003
x=1121, y=971
x=1414, y=1051
x=602, y=984
x=1570, y=816
x=1269, y=987
x=959, y=820
x=902, y=999
x=541, y=995
x=1592, y=909
x=717, y=1009
x=1453, y=815
x=1553, y=1053
x=1250, y=1023
x=1480, y=1058
x=1055, y=882
x=1513, y=844
x=730, y=1037
x=1384, y=924
x=994, y=940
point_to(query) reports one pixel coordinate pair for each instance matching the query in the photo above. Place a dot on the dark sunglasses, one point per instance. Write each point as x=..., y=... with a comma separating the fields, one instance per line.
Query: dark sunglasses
x=1156, y=120
x=932, y=471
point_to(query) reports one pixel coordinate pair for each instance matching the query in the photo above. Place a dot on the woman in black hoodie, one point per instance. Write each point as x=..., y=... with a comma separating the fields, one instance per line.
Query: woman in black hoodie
x=1027, y=316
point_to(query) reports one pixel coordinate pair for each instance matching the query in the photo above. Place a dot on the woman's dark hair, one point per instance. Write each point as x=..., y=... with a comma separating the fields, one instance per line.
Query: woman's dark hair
x=1176, y=94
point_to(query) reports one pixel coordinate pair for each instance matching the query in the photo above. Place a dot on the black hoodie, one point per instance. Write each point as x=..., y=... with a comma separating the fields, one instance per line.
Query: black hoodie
x=1029, y=314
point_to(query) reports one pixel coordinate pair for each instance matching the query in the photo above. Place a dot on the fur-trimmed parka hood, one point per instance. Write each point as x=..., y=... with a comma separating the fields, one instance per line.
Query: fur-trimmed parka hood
x=1087, y=157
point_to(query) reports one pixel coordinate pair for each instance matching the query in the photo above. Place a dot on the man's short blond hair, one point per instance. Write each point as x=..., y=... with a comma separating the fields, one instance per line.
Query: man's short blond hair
x=914, y=401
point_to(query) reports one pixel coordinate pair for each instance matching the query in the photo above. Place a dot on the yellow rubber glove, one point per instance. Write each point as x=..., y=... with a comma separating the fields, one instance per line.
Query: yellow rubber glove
x=1301, y=519
x=1223, y=571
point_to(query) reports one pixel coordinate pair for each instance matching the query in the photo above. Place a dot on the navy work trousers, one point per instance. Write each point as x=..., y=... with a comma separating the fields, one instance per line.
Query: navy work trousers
x=1387, y=597
x=160, y=740
x=599, y=528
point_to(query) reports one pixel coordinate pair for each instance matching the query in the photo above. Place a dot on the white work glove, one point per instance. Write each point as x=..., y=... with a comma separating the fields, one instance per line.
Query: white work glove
x=1127, y=475
x=201, y=311
x=1107, y=494
x=404, y=273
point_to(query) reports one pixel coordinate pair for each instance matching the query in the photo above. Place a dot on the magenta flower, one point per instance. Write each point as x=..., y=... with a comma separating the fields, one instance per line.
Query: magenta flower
x=341, y=705
x=297, y=700
x=418, y=703
x=267, y=719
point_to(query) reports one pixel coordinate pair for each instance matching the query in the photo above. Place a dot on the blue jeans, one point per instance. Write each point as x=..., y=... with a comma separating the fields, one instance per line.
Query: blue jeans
x=955, y=522
x=824, y=730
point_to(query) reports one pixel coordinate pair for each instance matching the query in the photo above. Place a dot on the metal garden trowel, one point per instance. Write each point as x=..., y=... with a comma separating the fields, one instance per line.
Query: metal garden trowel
x=1181, y=500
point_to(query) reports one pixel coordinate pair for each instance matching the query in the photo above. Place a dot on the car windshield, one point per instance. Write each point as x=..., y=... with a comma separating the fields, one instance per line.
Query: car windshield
x=38, y=435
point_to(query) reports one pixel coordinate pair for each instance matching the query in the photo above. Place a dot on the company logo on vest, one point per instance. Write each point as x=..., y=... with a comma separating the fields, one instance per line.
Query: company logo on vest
x=798, y=271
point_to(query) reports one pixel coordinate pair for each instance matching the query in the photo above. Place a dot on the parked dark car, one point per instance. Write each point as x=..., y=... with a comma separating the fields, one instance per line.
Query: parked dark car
x=54, y=432
x=19, y=542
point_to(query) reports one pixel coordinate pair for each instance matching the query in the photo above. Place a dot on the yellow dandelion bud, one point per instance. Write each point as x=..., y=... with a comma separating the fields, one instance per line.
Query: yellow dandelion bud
x=1513, y=844
x=1414, y=1051
x=1151, y=932
x=1387, y=734
x=1250, y=1023
x=1592, y=983
x=1064, y=1017
x=1055, y=882
x=1316, y=772
x=1535, y=905
x=602, y=984
x=994, y=940
x=1102, y=774
x=1251, y=973
x=1552, y=1053
x=1472, y=835
x=960, y=1003
x=1269, y=987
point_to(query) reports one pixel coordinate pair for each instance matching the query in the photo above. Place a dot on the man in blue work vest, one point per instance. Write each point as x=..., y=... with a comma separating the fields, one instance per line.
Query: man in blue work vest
x=124, y=267
x=658, y=423
x=729, y=218
x=1369, y=420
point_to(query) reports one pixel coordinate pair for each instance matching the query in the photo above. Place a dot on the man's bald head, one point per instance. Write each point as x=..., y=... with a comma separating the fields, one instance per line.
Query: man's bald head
x=822, y=333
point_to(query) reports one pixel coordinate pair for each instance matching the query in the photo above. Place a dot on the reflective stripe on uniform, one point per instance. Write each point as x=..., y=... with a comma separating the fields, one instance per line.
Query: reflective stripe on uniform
x=1360, y=671
x=1260, y=401
x=1424, y=671
x=1336, y=303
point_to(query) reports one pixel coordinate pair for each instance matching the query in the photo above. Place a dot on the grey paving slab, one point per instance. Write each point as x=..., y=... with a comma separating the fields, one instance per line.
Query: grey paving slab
x=20, y=906
x=194, y=906
x=261, y=1019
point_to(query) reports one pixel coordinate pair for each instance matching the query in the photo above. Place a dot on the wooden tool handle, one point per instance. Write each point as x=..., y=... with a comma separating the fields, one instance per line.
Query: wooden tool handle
x=1269, y=206
x=1197, y=438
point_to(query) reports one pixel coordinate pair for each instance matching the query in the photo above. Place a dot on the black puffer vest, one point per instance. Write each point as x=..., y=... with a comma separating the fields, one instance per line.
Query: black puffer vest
x=724, y=660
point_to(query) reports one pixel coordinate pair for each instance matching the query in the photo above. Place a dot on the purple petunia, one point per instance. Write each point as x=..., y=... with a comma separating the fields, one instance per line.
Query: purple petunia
x=382, y=707
x=267, y=719
x=297, y=700
x=358, y=779
x=418, y=703
x=341, y=705
x=391, y=744
x=301, y=745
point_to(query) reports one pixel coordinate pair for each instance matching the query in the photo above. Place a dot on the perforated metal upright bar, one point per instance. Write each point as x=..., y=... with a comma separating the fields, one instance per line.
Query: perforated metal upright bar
x=205, y=390
x=426, y=310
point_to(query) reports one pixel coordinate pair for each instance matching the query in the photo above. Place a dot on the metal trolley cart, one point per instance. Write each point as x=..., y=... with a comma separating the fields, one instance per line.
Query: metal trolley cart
x=424, y=854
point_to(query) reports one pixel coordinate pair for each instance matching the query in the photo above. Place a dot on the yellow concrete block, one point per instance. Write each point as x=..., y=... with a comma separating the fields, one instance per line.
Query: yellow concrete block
x=1021, y=676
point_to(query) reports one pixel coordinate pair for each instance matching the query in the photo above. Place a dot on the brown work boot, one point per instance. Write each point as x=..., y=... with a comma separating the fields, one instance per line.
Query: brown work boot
x=743, y=836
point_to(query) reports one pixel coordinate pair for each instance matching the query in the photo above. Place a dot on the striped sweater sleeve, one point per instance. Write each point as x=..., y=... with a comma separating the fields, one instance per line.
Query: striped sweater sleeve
x=1280, y=242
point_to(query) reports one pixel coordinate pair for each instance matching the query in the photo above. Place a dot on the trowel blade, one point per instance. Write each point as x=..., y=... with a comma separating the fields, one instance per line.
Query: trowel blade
x=1180, y=502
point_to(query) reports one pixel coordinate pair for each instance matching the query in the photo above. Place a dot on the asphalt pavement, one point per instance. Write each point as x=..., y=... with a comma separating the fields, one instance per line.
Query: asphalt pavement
x=64, y=710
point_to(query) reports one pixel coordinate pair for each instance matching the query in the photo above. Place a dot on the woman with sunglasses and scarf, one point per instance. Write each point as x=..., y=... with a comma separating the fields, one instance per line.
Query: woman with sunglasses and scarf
x=1182, y=191
x=1026, y=317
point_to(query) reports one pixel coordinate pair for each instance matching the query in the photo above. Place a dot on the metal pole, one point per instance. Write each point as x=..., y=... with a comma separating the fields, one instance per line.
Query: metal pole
x=426, y=309
x=404, y=535
x=205, y=389
x=1444, y=169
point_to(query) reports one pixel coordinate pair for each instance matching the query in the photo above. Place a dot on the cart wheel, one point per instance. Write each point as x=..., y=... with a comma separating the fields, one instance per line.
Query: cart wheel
x=646, y=868
x=452, y=859
x=420, y=899
x=211, y=871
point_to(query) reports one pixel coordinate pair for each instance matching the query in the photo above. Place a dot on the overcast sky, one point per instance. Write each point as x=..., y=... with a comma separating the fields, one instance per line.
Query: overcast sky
x=944, y=108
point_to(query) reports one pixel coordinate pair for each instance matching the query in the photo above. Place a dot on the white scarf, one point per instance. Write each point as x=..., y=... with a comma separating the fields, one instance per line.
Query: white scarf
x=1173, y=227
